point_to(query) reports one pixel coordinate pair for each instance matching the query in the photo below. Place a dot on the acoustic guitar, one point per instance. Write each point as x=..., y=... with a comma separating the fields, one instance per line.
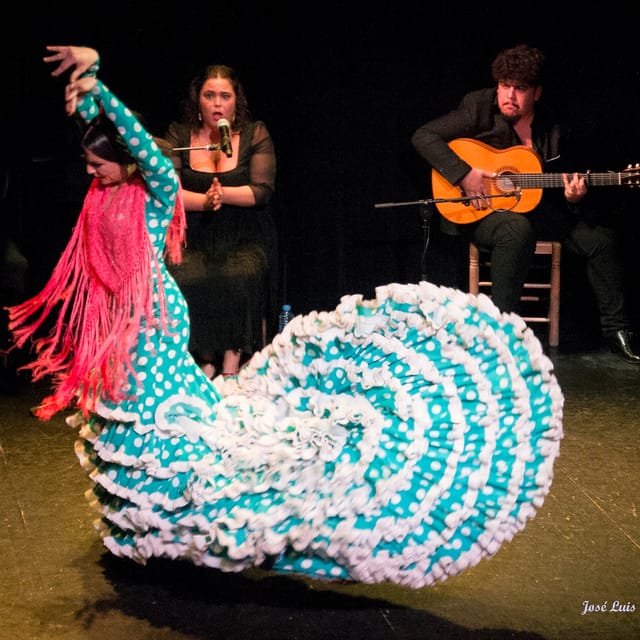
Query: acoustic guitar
x=518, y=182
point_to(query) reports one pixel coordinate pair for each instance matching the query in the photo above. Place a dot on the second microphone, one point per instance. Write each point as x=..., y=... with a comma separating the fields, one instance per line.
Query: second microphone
x=225, y=137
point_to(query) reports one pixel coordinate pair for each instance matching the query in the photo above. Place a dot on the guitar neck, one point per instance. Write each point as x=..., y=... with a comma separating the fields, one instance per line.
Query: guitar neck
x=544, y=180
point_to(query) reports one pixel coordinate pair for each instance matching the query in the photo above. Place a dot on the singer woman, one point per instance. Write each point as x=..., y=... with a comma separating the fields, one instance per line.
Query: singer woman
x=229, y=270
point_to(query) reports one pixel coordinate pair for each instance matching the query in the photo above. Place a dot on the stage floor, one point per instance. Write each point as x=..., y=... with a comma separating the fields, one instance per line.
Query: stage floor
x=581, y=551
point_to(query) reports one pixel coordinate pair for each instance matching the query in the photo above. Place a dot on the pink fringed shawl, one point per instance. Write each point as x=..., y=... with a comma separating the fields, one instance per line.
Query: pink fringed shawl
x=102, y=286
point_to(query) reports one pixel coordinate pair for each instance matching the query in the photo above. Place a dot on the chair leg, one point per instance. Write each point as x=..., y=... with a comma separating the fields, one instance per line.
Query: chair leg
x=474, y=269
x=554, y=295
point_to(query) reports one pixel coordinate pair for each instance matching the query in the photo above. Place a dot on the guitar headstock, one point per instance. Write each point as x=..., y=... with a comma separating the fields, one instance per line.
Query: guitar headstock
x=631, y=175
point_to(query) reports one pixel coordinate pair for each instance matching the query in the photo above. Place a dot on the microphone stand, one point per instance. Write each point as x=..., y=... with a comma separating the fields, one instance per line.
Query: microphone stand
x=206, y=147
x=427, y=210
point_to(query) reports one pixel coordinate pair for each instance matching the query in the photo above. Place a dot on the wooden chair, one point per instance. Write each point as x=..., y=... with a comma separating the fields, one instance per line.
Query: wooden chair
x=543, y=290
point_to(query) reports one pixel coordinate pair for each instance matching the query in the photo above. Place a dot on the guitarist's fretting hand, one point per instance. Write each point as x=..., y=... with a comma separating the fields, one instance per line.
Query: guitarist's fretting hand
x=575, y=187
x=474, y=184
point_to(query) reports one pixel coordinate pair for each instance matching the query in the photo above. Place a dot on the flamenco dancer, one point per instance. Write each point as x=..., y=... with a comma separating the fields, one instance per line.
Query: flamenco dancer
x=401, y=439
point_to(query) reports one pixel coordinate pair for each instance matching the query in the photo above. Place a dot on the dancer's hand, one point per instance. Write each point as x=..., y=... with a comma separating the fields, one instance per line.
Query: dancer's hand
x=79, y=57
x=66, y=56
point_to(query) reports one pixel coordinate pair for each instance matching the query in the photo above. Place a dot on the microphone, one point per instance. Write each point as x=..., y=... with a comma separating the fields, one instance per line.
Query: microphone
x=225, y=137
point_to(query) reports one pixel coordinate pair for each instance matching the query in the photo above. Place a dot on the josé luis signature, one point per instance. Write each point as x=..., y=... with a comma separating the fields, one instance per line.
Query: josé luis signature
x=603, y=607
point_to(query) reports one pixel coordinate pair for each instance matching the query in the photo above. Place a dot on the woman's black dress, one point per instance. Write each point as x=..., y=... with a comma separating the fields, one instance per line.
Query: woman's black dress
x=229, y=270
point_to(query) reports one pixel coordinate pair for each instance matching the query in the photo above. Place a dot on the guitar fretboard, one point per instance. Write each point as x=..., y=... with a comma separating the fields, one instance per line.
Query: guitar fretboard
x=507, y=181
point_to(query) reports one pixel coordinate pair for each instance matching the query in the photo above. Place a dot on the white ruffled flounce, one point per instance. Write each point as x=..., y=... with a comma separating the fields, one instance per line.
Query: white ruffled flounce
x=398, y=439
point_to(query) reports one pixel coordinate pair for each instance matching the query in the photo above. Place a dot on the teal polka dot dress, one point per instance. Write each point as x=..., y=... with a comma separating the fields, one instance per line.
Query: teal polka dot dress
x=402, y=438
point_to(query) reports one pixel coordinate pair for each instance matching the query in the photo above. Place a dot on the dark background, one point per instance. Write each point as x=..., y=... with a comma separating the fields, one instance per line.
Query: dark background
x=341, y=90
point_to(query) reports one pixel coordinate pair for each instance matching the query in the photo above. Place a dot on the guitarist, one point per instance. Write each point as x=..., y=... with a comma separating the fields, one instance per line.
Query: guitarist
x=509, y=114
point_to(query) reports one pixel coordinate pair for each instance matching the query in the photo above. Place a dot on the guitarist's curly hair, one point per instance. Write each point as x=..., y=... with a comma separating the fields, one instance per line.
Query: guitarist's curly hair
x=523, y=64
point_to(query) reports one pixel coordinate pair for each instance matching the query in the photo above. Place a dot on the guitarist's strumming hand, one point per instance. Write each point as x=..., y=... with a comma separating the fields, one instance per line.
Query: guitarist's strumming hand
x=575, y=187
x=474, y=185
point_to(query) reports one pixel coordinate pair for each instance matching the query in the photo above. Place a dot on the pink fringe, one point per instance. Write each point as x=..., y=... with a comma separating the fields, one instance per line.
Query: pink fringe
x=88, y=351
x=176, y=233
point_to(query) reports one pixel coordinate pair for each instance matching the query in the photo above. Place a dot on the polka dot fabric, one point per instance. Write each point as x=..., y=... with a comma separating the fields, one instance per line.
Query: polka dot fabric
x=398, y=439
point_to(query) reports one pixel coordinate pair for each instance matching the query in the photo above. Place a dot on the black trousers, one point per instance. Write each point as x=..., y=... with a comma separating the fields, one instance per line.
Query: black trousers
x=510, y=238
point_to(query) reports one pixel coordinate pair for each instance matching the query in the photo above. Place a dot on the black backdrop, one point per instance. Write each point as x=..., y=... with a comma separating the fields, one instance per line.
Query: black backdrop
x=341, y=90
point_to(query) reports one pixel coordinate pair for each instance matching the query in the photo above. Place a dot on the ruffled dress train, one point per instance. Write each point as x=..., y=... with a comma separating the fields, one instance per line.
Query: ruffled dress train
x=401, y=439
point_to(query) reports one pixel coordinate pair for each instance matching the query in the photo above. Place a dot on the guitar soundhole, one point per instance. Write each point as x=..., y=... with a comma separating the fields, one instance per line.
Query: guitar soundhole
x=504, y=182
